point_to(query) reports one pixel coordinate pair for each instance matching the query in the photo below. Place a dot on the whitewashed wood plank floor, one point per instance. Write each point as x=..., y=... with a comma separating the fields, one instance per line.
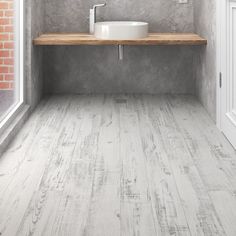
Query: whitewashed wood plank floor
x=124, y=165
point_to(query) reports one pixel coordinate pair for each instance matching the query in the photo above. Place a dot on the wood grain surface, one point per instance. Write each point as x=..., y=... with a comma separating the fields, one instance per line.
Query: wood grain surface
x=87, y=39
x=118, y=165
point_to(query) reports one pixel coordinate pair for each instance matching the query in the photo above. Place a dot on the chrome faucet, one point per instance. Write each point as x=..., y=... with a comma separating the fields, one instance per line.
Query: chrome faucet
x=92, y=17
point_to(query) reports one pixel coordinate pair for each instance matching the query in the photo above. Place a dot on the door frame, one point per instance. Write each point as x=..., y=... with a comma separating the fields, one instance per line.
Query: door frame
x=218, y=60
x=221, y=65
x=221, y=11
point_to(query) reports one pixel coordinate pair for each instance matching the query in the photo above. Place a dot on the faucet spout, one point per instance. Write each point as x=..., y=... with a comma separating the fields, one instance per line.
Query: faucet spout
x=99, y=5
x=92, y=17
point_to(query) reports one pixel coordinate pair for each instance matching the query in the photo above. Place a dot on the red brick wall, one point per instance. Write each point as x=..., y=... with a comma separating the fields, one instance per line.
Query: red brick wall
x=6, y=45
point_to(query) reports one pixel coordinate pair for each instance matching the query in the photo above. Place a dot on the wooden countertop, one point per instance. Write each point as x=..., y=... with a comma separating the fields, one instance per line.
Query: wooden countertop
x=87, y=39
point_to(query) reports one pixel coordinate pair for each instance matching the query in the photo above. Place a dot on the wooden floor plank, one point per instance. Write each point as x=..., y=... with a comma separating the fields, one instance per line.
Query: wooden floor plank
x=104, y=210
x=213, y=155
x=225, y=205
x=135, y=193
x=67, y=182
x=166, y=202
x=198, y=209
x=118, y=165
x=23, y=177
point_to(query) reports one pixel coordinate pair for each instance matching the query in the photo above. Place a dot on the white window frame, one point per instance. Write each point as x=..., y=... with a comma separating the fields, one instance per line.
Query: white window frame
x=18, y=66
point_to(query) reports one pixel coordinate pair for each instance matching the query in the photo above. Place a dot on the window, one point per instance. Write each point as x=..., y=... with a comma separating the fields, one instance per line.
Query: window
x=11, y=59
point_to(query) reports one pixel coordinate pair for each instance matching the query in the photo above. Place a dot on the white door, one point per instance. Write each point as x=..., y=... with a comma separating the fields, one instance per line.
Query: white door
x=227, y=64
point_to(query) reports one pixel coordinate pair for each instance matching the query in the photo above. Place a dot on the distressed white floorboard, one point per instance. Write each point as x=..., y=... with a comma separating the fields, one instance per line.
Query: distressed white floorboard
x=182, y=166
x=204, y=140
x=198, y=207
x=60, y=187
x=225, y=205
x=167, y=205
x=22, y=178
x=106, y=182
x=118, y=165
x=136, y=207
x=214, y=158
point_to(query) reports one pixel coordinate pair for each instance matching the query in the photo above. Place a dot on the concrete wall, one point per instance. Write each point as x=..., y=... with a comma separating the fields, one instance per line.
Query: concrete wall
x=34, y=13
x=97, y=70
x=205, y=60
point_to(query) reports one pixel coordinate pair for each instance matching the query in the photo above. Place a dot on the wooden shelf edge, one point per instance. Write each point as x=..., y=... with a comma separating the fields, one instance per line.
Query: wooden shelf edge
x=58, y=39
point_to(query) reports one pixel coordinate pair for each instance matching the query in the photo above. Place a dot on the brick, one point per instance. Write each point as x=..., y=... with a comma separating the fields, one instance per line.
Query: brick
x=9, y=13
x=3, y=5
x=8, y=29
x=11, y=85
x=4, y=53
x=9, y=61
x=11, y=53
x=11, y=6
x=11, y=69
x=5, y=85
x=9, y=45
x=9, y=77
x=5, y=21
x=4, y=37
x=3, y=69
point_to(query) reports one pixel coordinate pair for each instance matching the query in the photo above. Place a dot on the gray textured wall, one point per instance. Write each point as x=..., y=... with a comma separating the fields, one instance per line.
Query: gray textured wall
x=205, y=60
x=163, y=15
x=97, y=70
x=34, y=13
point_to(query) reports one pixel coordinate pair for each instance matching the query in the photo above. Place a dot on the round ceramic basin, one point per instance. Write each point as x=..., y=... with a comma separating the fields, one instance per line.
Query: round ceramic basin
x=121, y=30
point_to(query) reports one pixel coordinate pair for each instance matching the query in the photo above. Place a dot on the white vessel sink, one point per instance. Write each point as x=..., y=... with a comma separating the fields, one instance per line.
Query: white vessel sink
x=121, y=30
